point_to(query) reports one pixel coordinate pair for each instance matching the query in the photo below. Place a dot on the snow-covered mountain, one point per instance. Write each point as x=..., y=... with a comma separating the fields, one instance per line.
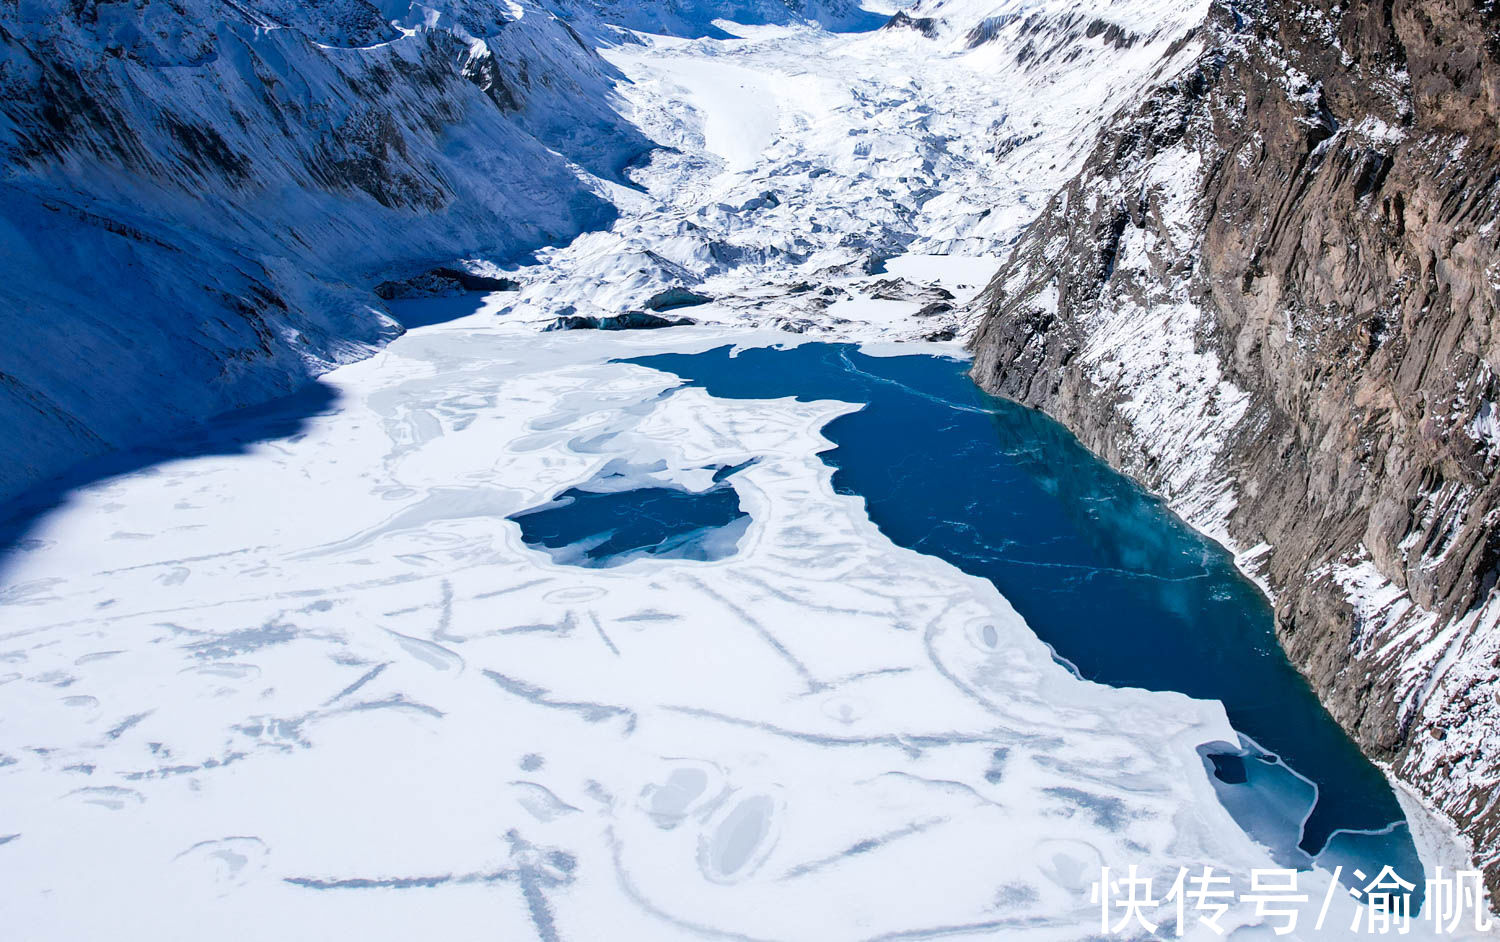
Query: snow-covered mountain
x=198, y=197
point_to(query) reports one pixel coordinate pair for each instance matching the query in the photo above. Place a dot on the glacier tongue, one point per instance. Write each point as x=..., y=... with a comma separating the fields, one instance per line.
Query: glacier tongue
x=798, y=163
x=199, y=196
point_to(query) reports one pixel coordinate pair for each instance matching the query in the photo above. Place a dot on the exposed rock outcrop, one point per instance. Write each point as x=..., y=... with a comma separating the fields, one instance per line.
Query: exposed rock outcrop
x=1271, y=296
x=926, y=25
x=675, y=297
x=443, y=281
x=630, y=320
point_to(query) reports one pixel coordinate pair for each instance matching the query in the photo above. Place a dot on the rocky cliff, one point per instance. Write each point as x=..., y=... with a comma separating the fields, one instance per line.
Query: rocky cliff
x=1271, y=296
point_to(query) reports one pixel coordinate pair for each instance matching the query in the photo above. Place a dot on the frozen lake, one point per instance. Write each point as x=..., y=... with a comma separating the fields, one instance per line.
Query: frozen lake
x=1126, y=593
x=369, y=663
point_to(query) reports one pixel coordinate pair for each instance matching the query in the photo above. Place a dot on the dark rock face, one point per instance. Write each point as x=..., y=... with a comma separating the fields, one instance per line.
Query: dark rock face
x=630, y=320
x=1271, y=295
x=676, y=297
x=1051, y=34
x=925, y=25
x=443, y=282
x=899, y=289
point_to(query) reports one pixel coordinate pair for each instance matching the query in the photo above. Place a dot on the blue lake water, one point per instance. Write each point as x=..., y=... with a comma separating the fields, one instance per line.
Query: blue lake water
x=603, y=528
x=1124, y=592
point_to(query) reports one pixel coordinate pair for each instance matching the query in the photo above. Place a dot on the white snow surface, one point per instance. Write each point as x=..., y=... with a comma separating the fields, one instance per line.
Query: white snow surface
x=322, y=687
x=1485, y=426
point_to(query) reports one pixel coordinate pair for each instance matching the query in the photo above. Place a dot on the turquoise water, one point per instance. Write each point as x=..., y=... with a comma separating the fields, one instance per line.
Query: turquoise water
x=1124, y=592
x=604, y=528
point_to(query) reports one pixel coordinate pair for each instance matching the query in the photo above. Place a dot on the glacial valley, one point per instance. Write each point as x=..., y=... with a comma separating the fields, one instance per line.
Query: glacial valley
x=510, y=468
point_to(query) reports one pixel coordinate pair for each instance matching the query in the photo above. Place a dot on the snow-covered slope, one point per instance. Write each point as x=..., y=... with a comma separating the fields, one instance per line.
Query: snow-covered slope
x=197, y=197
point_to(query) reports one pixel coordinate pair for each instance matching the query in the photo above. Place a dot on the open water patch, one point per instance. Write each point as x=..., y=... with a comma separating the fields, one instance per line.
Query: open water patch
x=600, y=526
